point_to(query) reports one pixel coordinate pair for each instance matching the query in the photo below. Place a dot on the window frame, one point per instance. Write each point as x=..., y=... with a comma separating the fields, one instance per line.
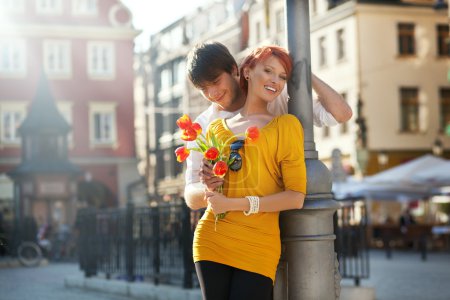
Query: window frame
x=13, y=47
x=340, y=42
x=84, y=11
x=103, y=108
x=442, y=40
x=406, y=103
x=93, y=73
x=12, y=107
x=323, y=62
x=57, y=9
x=406, y=39
x=444, y=111
x=66, y=110
x=63, y=55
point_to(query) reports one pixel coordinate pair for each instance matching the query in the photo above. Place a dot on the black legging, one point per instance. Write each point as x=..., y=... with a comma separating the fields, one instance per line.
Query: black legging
x=222, y=282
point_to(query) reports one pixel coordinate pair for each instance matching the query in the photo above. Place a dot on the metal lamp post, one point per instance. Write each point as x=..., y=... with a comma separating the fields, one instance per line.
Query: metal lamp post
x=307, y=266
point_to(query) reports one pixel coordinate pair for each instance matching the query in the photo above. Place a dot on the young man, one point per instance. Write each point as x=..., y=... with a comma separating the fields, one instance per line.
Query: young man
x=213, y=70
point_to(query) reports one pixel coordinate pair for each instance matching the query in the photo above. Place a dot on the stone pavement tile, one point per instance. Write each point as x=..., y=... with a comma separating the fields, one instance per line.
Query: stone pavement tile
x=406, y=276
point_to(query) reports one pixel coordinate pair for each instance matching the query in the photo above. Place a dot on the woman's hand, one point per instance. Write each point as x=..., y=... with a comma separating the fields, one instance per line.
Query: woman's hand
x=218, y=202
x=207, y=176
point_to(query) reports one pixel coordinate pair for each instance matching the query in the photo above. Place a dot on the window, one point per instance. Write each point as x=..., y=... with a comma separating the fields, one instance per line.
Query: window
x=340, y=41
x=65, y=109
x=12, y=6
x=12, y=115
x=322, y=52
x=409, y=109
x=57, y=58
x=49, y=6
x=103, y=124
x=165, y=85
x=280, y=20
x=314, y=7
x=179, y=77
x=325, y=132
x=167, y=161
x=344, y=126
x=406, y=42
x=443, y=48
x=101, y=60
x=179, y=74
x=84, y=7
x=12, y=57
x=445, y=110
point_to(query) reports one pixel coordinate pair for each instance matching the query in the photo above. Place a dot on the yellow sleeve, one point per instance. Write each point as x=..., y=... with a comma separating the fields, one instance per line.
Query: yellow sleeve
x=290, y=153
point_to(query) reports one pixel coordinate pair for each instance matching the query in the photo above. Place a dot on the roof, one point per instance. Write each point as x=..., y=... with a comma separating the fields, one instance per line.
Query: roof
x=33, y=167
x=44, y=116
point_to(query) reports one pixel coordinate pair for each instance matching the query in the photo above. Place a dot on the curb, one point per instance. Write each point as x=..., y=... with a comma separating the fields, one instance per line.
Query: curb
x=357, y=293
x=14, y=263
x=134, y=290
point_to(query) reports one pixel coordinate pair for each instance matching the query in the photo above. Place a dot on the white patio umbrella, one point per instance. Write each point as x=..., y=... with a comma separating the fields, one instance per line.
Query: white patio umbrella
x=404, y=174
x=437, y=175
x=396, y=183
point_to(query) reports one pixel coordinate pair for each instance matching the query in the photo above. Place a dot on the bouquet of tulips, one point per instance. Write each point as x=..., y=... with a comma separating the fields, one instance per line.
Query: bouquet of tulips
x=211, y=148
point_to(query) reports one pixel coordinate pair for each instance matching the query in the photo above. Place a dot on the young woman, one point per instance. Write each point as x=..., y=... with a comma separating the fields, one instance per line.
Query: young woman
x=237, y=258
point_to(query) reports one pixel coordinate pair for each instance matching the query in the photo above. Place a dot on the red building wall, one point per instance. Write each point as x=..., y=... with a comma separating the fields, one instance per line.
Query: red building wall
x=79, y=89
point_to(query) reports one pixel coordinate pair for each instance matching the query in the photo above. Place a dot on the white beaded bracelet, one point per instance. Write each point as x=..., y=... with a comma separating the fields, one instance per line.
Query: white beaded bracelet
x=254, y=205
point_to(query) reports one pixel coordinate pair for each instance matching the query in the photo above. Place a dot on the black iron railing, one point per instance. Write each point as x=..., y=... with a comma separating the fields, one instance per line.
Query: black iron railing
x=155, y=243
x=152, y=243
x=351, y=245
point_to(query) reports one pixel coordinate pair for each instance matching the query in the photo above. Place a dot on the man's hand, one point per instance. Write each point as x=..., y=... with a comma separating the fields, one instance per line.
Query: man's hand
x=217, y=202
x=207, y=176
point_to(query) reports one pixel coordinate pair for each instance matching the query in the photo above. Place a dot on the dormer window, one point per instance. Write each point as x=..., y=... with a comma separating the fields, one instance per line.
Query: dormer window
x=85, y=7
x=53, y=7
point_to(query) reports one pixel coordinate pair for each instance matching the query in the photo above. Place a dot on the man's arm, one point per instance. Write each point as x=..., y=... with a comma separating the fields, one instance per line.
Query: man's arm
x=194, y=191
x=331, y=100
x=194, y=195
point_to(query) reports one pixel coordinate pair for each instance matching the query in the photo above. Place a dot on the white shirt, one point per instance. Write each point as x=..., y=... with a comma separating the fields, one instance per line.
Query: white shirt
x=321, y=117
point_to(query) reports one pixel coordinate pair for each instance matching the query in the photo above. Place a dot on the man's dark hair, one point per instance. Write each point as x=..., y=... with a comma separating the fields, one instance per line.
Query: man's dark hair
x=206, y=61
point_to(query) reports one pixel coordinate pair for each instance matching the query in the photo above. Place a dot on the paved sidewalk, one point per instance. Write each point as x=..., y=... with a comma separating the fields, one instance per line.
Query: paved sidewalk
x=406, y=276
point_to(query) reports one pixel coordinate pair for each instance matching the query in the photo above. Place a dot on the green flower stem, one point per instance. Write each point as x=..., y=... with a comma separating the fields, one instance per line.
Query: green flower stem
x=219, y=216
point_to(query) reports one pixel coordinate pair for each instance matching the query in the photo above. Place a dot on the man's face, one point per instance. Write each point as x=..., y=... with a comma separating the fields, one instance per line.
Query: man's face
x=223, y=91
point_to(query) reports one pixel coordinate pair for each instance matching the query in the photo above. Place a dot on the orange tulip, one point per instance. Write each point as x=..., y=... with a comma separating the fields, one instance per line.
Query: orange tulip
x=220, y=168
x=182, y=153
x=184, y=122
x=197, y=128
x=211, y=154
x=189, y=134
x=252, y=133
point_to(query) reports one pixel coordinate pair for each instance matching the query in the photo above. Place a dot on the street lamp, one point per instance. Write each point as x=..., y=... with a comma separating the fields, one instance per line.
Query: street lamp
x=382, y=159
x=307, y=268
x=438, y=147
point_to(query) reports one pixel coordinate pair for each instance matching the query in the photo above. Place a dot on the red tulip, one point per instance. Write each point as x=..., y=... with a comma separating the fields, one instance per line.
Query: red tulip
x=220, y=168
x=184, y=122
x=189, y=134
x=182, y=153
x=197, y=128
x=211, y=154
x=252, y=133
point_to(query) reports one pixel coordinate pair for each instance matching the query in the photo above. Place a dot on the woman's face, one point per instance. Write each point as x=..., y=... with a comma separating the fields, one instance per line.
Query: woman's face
x=267, y=79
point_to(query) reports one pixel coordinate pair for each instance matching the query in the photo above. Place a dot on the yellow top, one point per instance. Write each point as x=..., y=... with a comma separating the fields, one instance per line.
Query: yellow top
x=272, y=164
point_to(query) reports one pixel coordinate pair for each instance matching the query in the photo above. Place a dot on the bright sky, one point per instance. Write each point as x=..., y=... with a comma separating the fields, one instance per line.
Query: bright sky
x=153, y=15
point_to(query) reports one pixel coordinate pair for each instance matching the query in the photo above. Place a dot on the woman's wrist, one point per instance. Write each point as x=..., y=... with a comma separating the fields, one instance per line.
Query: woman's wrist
x=239, y=204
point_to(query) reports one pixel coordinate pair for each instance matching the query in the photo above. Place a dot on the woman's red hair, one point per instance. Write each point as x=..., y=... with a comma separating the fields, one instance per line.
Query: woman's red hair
x=261, y=54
